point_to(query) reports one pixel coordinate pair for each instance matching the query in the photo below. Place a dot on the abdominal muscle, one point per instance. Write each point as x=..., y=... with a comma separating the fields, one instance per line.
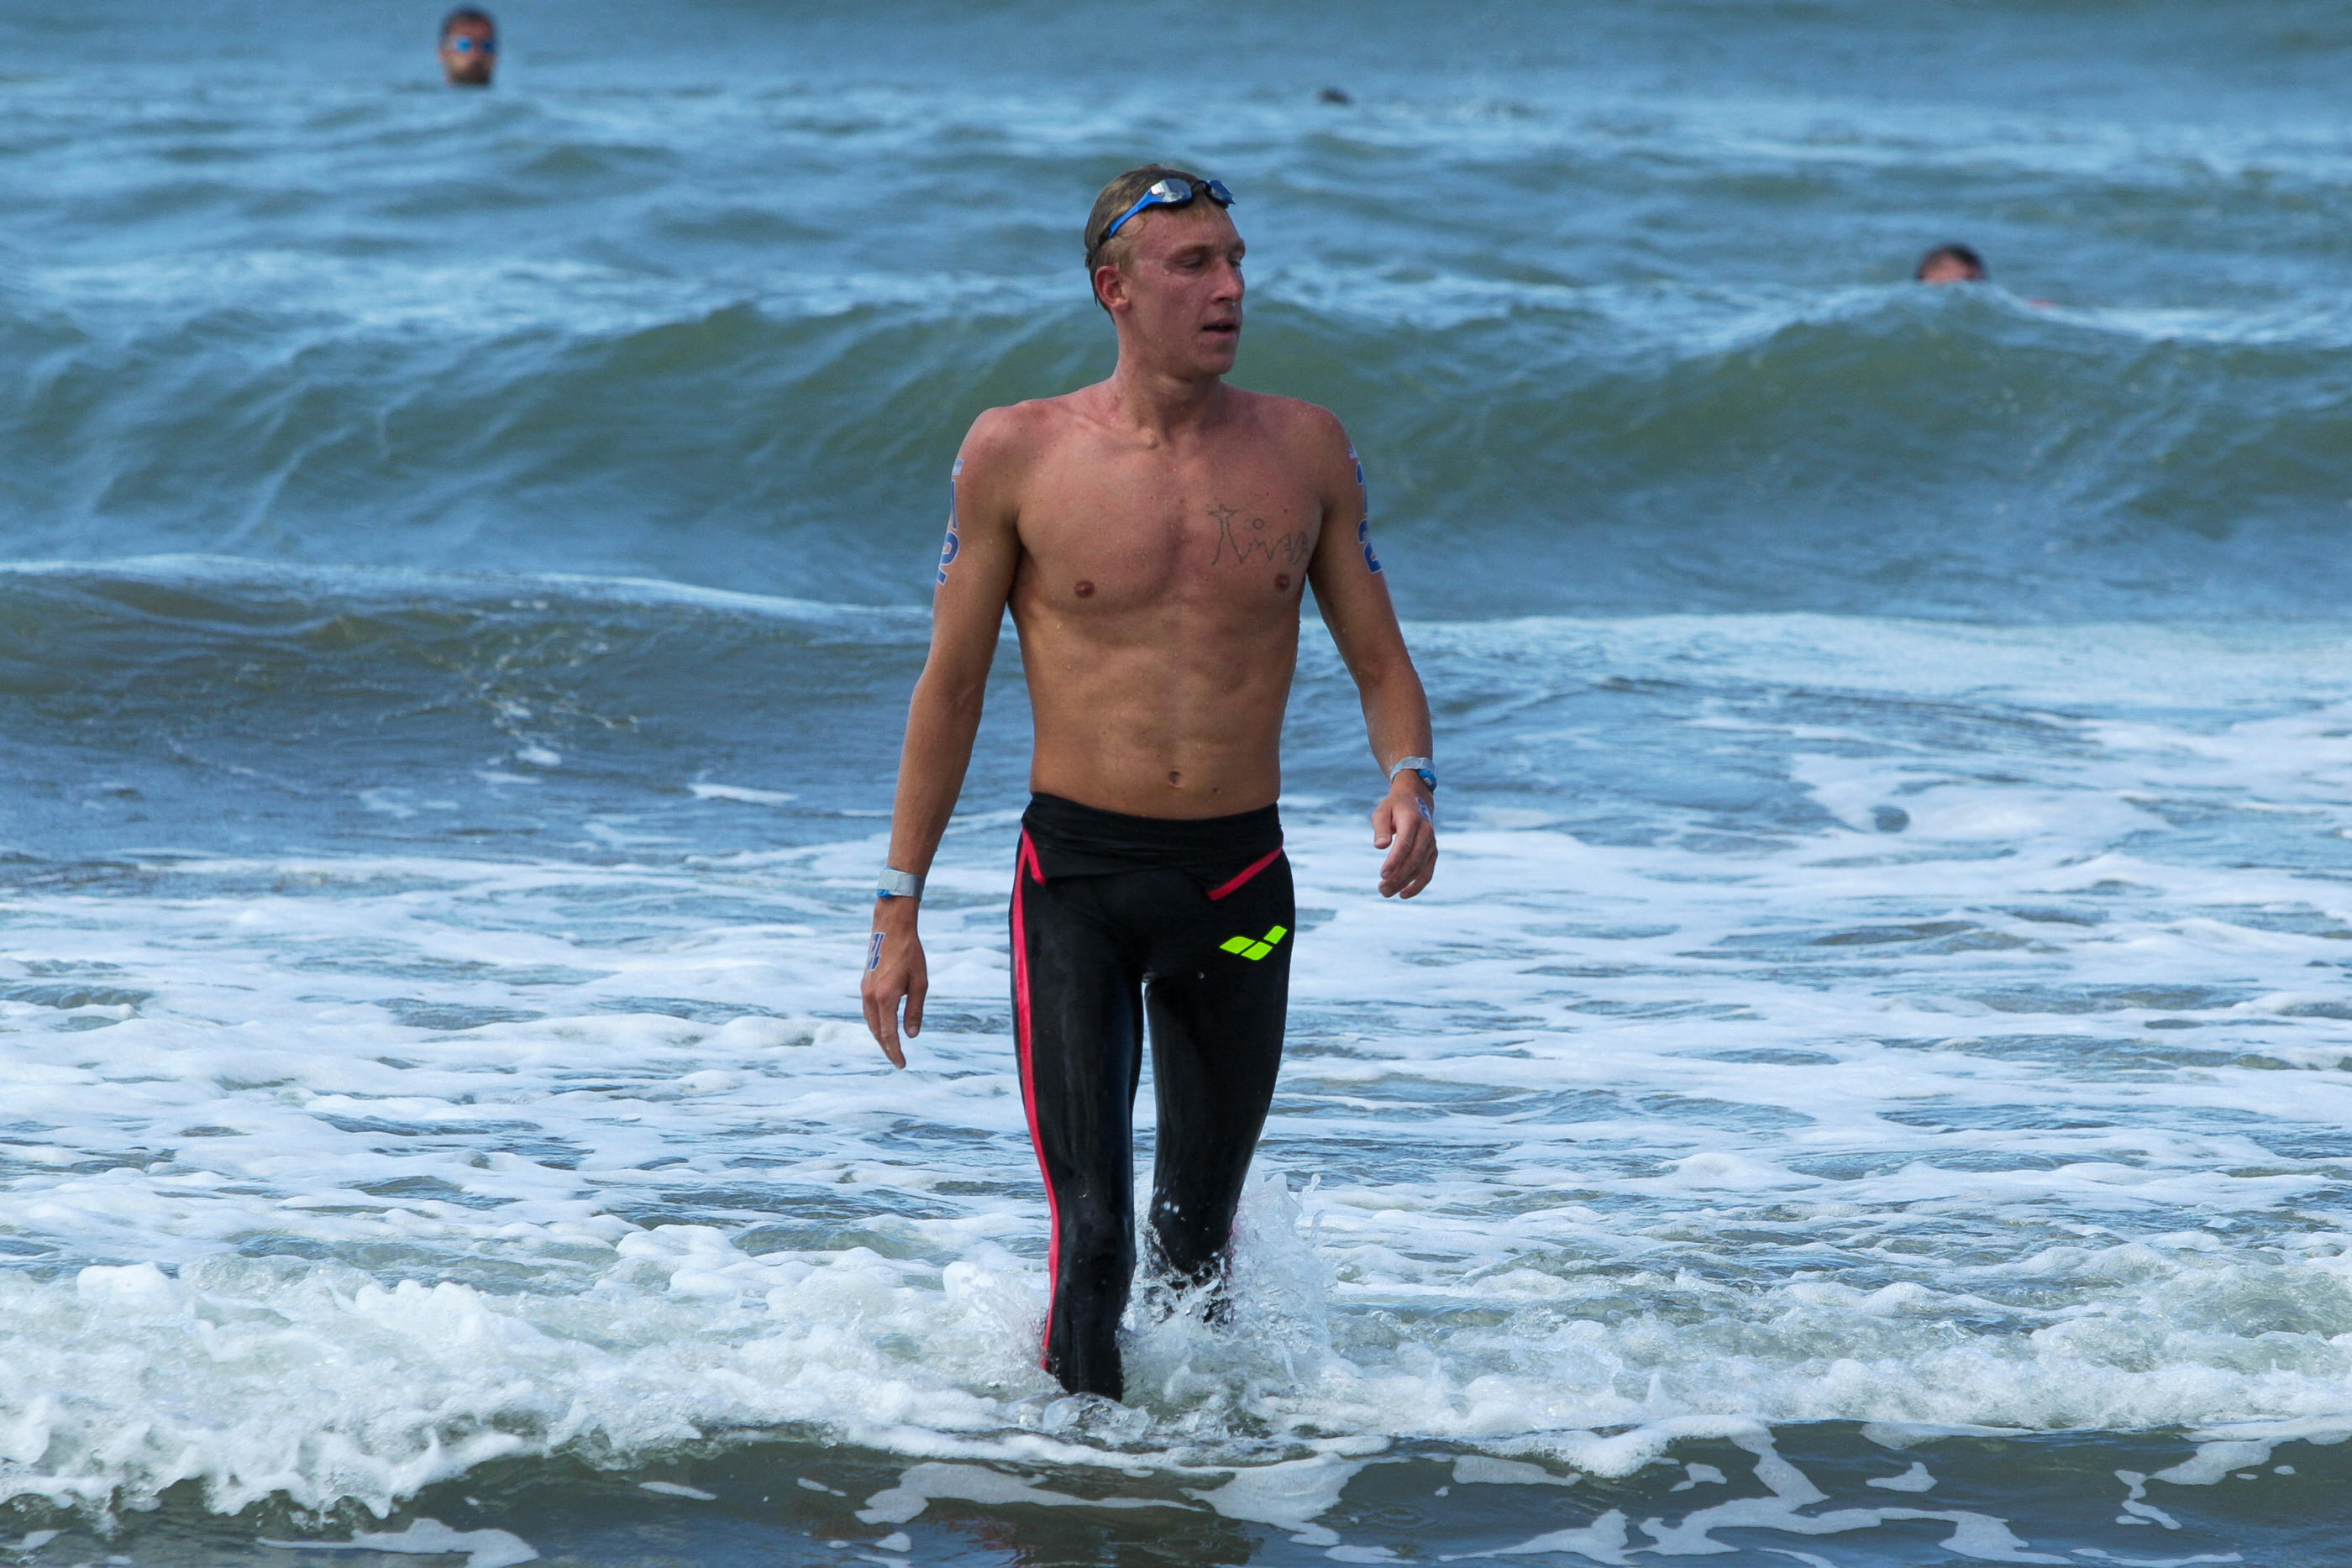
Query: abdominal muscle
x=1167, y=716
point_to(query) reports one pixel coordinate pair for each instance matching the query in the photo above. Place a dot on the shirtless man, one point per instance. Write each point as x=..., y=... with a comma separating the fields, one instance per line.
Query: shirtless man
x=1152, y=536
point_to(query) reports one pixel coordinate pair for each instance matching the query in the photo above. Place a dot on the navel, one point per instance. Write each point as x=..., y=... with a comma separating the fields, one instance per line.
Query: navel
x=1174, y=777
x=1085, y=589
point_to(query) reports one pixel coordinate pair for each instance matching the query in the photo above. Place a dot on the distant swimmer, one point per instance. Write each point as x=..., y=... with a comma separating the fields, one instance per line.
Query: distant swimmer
x=470, y=47
x=1152, y=536
x=1951, y=264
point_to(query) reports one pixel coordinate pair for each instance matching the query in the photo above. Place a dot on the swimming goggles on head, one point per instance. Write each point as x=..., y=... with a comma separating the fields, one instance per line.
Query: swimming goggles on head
x=1171, y=193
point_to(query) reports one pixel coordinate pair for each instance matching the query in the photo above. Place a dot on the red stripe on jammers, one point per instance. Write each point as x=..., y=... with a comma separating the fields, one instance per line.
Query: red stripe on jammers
x=1027, y=863
x=1248, y=872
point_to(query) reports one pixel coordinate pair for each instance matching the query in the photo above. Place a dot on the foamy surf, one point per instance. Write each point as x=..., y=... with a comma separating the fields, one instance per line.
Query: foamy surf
x=1868, y=1086
x=342, y=1179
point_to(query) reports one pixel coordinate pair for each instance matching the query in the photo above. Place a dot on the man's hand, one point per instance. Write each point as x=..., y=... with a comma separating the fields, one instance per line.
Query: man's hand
x=895, y=972
x=1403, y=824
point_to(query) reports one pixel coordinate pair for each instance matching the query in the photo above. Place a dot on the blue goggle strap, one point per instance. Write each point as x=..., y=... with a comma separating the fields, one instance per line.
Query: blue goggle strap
x=1214, y=189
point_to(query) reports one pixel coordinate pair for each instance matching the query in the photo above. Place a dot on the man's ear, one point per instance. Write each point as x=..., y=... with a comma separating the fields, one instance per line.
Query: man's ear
x=1110, y=287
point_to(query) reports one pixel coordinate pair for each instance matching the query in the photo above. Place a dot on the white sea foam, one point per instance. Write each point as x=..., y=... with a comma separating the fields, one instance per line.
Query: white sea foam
x=922, y=1485
x=430, y=1538
x=677, y=1488
x=331, y=1176
x=742, y=792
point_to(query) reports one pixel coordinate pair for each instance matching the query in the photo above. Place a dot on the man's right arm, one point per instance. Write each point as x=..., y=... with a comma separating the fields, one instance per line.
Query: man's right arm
x=975, y=579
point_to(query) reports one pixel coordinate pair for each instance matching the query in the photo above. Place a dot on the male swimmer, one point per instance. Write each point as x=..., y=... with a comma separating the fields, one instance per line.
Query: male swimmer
x=1152, y=536
x=1951, y=264
x=468, y=47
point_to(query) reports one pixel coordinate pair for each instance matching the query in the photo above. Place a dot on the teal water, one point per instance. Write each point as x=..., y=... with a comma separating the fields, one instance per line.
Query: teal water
x=1869, y=1087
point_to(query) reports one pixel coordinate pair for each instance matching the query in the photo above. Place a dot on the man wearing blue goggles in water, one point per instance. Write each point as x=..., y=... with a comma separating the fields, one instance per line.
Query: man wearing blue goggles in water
x=1152, y=536
x=470, y=47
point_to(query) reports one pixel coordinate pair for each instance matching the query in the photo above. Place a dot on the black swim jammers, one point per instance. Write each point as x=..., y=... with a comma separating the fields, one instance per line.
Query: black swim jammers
x=1117, y=919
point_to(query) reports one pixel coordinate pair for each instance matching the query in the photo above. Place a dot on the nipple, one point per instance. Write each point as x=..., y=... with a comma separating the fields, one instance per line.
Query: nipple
x=1085, y=589
x=1281, y=583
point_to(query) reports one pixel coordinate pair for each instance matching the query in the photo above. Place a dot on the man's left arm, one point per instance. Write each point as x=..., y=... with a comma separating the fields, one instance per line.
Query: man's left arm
x=1352, y=592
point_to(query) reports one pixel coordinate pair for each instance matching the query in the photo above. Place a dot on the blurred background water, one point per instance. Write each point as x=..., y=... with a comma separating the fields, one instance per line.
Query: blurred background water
x=1869, y=1085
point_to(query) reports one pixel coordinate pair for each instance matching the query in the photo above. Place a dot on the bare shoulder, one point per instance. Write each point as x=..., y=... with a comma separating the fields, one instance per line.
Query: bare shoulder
x=1004, y=438
x=1292, y=420
x=1309, y=435
x=1006, y=443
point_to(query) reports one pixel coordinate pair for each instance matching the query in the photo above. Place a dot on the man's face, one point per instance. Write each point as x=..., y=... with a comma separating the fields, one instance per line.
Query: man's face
x=470, y=52
x=1181, y=290
x=1949, y=269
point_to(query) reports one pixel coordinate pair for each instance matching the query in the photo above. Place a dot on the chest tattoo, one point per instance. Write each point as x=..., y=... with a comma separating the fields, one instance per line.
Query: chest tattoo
x=1241, y=540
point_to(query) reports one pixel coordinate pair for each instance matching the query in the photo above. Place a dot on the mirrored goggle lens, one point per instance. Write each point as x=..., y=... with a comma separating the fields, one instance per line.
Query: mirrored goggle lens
x=1176, y=193
x=466, y=45
x=1169, y=194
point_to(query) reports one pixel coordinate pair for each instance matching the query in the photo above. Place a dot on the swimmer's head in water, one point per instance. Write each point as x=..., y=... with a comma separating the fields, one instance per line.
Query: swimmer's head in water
x=469, y=46
x=1951, y=264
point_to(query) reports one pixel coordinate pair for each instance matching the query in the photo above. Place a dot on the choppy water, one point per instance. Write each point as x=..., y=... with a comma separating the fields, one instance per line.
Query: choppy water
x=1870, y=1085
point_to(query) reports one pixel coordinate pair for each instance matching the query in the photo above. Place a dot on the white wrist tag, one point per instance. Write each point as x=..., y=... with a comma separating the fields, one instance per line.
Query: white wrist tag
x=897, y=885
x=1421, y=765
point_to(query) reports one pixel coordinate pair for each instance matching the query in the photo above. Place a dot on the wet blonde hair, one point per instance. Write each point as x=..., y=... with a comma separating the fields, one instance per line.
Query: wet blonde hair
x=1113, y=199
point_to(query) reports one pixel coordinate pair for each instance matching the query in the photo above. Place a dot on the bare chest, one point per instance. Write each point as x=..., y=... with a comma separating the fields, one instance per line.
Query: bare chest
x=1135, y=536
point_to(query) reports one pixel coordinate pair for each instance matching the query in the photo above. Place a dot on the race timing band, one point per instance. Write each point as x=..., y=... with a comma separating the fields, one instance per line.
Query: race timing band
x=1420, y=764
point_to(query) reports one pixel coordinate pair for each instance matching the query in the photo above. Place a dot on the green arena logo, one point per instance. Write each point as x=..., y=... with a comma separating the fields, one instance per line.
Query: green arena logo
x=1255, y=947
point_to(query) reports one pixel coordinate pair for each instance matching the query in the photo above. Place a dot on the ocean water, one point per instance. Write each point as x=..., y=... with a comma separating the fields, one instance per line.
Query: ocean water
x=1871, y=1084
